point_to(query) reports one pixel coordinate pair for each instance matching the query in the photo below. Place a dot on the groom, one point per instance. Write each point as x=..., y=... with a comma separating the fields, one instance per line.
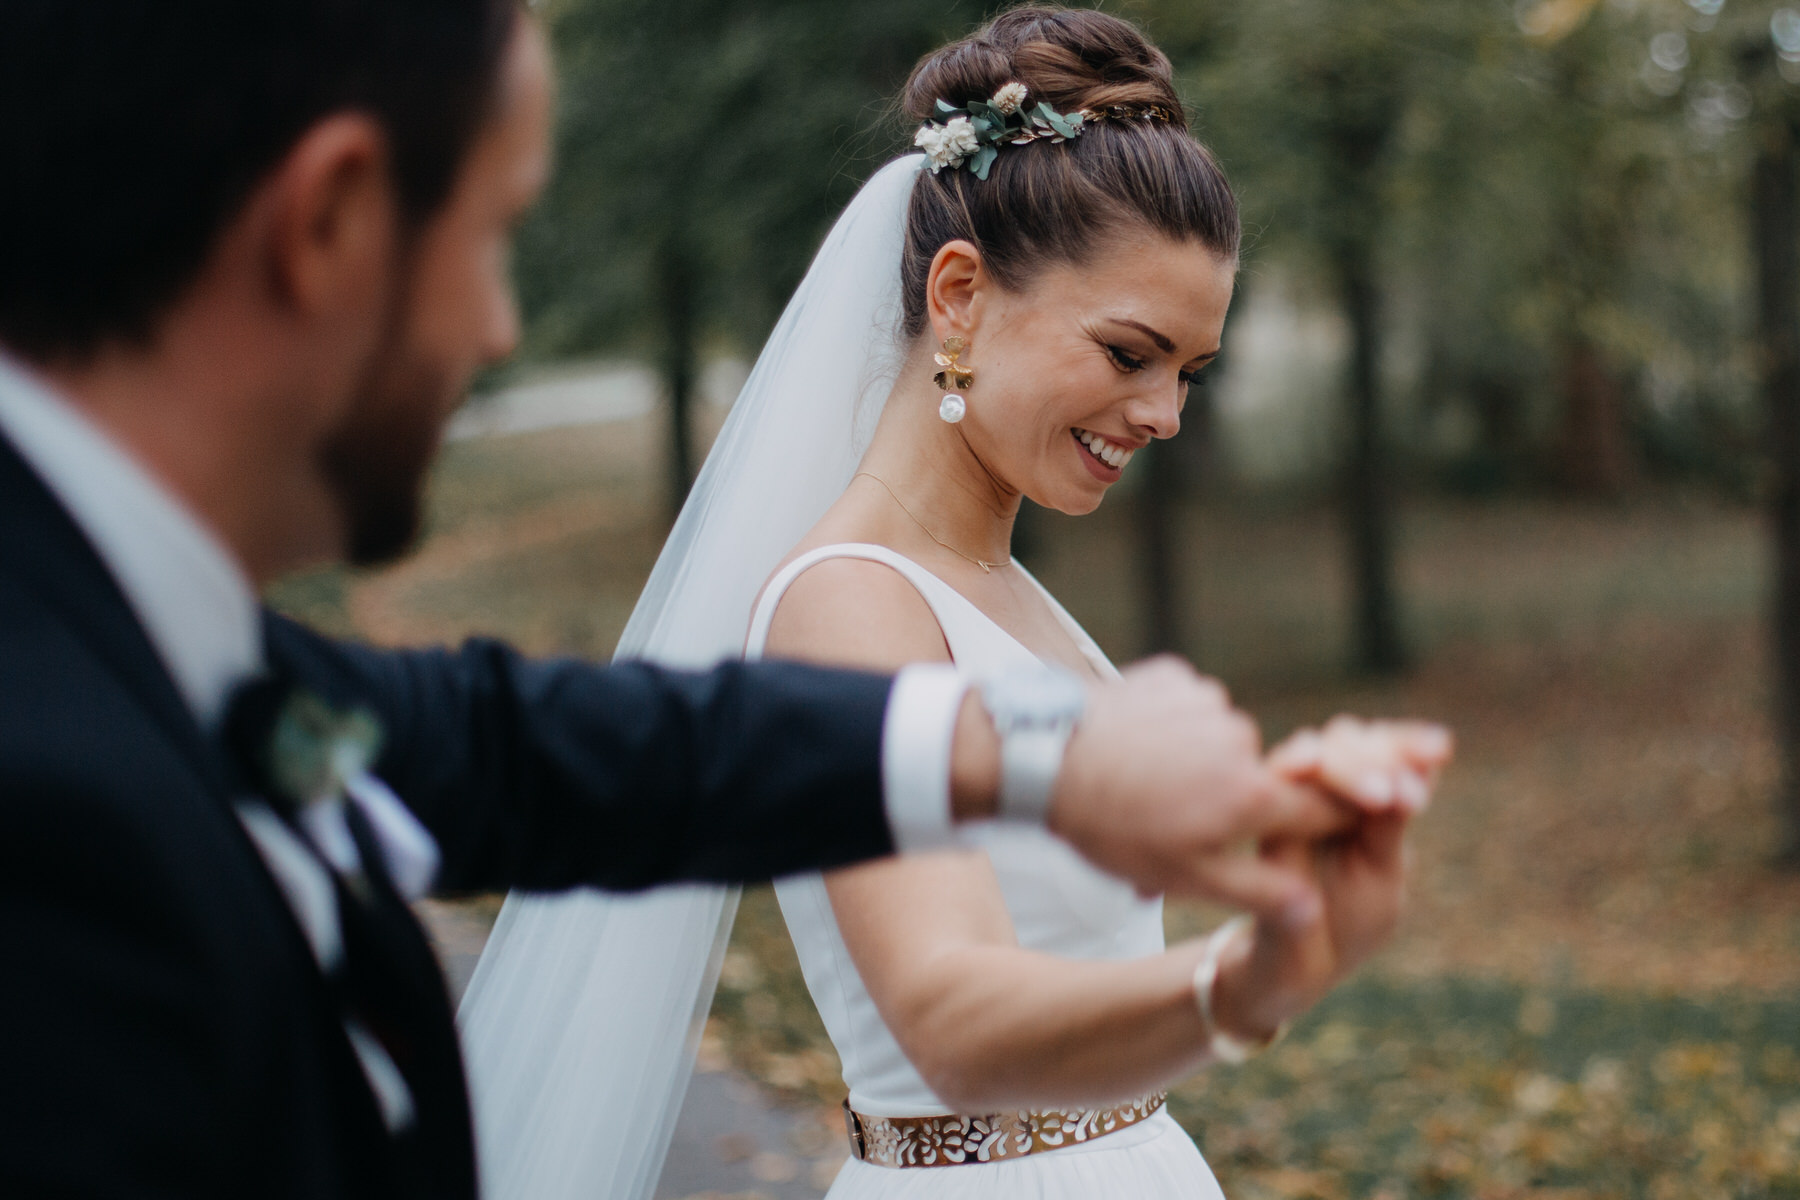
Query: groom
x=253, y=251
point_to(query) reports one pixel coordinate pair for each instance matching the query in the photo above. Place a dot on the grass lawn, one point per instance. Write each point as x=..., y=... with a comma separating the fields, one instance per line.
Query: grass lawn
x=1595, y=992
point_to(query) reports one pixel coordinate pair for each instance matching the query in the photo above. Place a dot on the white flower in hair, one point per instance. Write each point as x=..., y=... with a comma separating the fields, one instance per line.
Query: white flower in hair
x=930, y=139
x=1010, y=98
x=949, y=144
x=959, y=136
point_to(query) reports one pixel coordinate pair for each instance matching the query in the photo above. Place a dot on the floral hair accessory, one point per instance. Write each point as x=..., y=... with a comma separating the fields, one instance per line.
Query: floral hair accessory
x=1010, y=98
x=971, y=136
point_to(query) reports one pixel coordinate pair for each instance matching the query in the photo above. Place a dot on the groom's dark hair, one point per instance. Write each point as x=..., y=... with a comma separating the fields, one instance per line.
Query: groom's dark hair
x=132, y=132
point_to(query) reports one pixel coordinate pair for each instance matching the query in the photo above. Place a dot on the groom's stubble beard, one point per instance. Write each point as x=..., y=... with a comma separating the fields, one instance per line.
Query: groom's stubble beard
x=375, y=462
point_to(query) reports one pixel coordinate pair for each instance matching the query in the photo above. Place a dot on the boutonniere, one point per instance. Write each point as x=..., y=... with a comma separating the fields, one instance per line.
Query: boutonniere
x=315, y=761
x=316, y=750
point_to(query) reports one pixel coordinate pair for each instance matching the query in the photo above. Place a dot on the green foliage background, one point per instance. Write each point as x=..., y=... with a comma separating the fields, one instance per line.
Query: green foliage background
x=723, y=136
x=1525, y=178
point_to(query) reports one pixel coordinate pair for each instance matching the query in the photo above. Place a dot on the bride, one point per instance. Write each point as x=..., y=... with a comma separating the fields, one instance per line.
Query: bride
x=1015, y=313
x=1063, y=278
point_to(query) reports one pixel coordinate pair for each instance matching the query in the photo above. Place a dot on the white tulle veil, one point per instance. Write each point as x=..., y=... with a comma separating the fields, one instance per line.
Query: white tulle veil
x=583, y=1017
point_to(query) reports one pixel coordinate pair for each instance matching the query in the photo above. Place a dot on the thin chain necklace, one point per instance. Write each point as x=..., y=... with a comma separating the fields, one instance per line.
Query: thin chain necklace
x=987, y=568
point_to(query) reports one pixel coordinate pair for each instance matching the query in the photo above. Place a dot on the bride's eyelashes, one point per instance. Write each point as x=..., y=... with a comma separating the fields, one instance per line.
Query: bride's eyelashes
x=1130, y=363
x=1127, y=363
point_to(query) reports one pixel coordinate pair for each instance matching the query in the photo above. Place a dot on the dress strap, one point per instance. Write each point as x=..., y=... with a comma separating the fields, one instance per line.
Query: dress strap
x=1084, y=641
x=930, y=587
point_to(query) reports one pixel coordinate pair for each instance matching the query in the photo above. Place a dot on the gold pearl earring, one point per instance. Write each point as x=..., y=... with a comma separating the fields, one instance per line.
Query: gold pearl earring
x=953, y=375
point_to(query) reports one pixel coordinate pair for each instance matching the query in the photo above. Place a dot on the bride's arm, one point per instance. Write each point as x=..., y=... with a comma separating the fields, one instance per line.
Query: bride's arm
x=991, y=1026
x=988, y=1024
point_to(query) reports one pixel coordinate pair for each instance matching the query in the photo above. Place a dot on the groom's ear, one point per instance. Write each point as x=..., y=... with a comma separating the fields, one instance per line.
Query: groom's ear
x=953, y=289
x=331, y=220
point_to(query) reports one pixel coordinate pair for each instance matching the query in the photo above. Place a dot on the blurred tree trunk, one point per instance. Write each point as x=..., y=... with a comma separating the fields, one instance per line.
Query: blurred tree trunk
x=677, y=282
x=1775, y=220
x=1159, y=548
x=1177, y=472
x=1367, y=504
x=1592, y=451
x=1593, y=454
x=1362, y=112
x=1199, y=465
x=1500, y=413
x=1028, y=531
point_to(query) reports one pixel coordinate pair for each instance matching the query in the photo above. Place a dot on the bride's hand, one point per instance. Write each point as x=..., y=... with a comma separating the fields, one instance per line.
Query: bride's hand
x=1283, y=968
x=1376, y=764
x=1278, y=970
x=1165, y=784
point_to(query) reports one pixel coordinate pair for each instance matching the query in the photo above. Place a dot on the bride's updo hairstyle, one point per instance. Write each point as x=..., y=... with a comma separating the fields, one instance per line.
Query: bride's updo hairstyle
x=1047, y=202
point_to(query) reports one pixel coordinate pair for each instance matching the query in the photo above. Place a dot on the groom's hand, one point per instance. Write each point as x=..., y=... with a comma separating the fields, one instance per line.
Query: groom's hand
x=1164, y=784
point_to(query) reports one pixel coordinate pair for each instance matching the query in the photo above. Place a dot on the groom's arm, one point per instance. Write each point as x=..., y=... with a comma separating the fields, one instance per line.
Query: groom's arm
x=545, y=775
x=551, y=773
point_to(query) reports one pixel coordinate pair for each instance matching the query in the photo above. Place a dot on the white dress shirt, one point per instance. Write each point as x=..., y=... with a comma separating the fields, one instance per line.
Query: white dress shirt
x=200, y=610
x=189, y=593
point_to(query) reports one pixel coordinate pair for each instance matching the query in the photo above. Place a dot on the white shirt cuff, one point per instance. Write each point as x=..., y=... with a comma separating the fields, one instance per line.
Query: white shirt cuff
x=915, y=755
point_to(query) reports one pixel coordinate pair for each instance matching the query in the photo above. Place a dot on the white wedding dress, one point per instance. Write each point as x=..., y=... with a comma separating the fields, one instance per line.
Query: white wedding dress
x=1059, y=905
x=583, y=1016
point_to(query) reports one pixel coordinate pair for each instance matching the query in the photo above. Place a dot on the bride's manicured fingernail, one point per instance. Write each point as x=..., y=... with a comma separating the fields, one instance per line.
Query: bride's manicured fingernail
x=1434, y=741
x=1304, y=752
x=1376, y=788
x=1413, y=792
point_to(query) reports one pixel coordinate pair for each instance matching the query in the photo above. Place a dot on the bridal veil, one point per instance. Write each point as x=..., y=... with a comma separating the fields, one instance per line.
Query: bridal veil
x=583, y=1017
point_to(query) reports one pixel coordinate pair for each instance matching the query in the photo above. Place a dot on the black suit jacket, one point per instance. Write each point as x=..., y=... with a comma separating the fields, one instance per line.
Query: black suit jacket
x=164, y=1030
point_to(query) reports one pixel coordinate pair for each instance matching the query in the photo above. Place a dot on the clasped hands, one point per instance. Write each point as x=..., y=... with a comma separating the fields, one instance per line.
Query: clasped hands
x=1167, y=785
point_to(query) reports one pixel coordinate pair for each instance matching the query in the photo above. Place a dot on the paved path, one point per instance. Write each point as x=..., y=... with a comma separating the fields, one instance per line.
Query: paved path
x=732, y=1141
x=593, y=393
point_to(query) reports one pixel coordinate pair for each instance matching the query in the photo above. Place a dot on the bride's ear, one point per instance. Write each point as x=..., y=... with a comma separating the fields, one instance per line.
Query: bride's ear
x=954, y=288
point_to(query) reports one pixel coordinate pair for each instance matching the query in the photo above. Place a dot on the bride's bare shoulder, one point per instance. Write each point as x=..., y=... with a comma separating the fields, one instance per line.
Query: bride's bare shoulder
x=855, y=612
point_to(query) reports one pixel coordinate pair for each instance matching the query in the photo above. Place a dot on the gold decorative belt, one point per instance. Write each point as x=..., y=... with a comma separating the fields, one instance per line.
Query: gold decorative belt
x=953, y=1141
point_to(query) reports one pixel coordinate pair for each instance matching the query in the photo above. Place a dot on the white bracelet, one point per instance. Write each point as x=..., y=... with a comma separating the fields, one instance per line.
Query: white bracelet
x=1219, y=1044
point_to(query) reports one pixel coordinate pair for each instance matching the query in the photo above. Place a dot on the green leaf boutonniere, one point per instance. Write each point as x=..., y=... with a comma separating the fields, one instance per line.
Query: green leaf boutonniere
x=315, y=750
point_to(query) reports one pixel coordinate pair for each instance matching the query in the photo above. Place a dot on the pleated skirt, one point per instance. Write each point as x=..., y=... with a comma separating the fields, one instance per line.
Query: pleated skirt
x=1153, y=1160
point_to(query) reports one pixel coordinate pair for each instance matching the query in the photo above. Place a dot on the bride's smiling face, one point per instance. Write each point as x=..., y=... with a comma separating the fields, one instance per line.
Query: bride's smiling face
x=1084, y=365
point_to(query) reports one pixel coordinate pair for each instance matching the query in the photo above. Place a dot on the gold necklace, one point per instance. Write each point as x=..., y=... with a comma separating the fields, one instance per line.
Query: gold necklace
x=987, y=568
